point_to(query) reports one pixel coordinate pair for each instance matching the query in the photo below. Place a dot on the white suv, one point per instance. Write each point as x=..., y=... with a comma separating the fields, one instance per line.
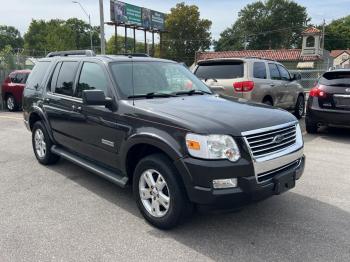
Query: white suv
x=260, y=80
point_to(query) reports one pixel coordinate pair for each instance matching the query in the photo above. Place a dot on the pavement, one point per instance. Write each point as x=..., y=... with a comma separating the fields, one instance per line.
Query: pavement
x=64, y=213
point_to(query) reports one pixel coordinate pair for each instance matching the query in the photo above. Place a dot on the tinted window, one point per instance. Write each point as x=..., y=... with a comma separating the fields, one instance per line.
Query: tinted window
x=260, y=70
x=20, y=78
x=284, y=73
x=13, y=77
x=65, y=78
x=37, y=75
x=142, y=78
x=91, y=77
x=274, y=73
x=53, y=80
x=337, y=78
x=222, y=70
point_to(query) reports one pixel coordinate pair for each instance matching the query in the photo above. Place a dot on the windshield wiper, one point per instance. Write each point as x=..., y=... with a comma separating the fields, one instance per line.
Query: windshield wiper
x=192, y=92
x=152, y=95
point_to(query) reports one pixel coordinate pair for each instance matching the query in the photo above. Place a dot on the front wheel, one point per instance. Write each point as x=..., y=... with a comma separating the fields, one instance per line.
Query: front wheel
x=159, y=194
x=299, y=109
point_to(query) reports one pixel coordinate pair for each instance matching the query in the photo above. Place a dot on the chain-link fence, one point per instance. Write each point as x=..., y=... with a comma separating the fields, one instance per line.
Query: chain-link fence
x=308, y=77
x=3, y=74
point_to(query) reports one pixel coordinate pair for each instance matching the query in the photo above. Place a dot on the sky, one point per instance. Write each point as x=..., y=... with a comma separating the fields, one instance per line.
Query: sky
x=222, y=13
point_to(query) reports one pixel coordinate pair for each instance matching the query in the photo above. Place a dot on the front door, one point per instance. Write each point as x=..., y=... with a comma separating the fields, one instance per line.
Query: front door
x=276, y=85
x=99, y=132
x=289, y=88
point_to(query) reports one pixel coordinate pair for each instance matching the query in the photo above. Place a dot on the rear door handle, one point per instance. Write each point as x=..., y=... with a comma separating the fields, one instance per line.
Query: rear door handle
x=47, y=100
x=272, y=85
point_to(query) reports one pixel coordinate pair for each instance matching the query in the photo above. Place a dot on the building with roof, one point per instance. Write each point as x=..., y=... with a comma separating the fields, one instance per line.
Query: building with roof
x=311, y=56
x=341, y=58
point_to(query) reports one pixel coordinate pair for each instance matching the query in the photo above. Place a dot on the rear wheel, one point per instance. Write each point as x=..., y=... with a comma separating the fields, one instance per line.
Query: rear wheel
x=299, y=107
x=159, y=194
x=11, y=104
x=42, y=145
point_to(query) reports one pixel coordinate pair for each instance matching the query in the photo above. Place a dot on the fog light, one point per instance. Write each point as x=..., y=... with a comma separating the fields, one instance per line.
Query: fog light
x=225, y=183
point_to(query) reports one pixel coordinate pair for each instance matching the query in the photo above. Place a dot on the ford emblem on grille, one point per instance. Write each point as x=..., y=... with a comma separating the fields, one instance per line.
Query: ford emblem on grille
x=347, y=90
x=278, y=139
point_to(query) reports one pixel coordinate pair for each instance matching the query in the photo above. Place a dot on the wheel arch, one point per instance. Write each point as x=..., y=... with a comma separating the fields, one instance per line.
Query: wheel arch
x=38, y=115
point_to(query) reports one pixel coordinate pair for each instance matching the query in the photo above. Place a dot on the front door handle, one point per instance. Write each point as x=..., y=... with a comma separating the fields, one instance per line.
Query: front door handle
x=47, y=100
x=76, y=108
x=272, y=85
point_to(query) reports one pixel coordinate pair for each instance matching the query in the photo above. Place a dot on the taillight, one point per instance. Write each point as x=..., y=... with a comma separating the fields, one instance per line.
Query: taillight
x=317, y=92
x=7, y=80
x=244, y=86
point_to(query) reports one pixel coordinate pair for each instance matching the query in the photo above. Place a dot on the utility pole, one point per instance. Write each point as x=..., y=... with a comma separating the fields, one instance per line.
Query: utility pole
x=102, y=29
x=323, y=32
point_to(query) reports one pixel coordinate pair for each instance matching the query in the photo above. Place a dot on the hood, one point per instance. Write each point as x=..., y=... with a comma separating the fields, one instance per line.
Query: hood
x=210, y=114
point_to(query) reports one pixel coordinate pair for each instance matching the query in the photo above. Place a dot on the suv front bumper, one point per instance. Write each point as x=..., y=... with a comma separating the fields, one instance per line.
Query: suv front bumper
x=248, y=189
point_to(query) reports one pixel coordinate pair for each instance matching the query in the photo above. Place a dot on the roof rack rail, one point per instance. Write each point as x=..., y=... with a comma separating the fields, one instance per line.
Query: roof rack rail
x=258, y=57
x=135, y=54
x=72, y=53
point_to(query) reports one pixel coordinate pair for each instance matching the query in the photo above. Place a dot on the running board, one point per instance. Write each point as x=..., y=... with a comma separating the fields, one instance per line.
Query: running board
x=103, y=172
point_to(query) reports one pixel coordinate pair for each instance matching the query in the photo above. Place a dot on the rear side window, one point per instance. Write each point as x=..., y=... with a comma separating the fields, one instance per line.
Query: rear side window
x=274, y=73
x=92, y=76
x=65, y=79
x=36, y=77
x=260, y=70
x=220, y=70
x=21, y=78
x=336, y=78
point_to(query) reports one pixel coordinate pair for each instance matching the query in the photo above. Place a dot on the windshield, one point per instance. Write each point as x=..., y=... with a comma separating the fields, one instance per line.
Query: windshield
x=336, y=78
x=141, y=78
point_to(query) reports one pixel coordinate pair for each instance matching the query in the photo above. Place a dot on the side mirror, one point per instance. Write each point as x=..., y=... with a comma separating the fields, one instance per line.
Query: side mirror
x=296, y=77
x=94, y=98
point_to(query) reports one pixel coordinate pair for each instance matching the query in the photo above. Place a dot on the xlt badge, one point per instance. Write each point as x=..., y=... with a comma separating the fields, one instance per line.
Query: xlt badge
x=107, y=142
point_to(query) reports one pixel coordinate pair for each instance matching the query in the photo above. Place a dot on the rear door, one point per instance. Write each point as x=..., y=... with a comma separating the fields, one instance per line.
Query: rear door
x=336, y=84
x=61, y=105
x=221, y=75
x=276, y=85
x=261, y=82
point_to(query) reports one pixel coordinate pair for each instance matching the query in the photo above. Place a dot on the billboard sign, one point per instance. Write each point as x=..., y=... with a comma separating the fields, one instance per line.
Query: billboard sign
x=123, y=13
x=158, y=20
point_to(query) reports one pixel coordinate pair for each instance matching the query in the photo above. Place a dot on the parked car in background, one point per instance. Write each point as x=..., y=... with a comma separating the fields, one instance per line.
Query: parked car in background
x=152, y=124
x=12, y=89
x=329, y=101
x=260, y=80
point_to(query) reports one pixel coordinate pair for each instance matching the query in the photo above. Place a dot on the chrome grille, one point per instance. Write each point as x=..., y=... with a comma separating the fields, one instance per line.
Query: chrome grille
x=269, y=175
x=268, y=142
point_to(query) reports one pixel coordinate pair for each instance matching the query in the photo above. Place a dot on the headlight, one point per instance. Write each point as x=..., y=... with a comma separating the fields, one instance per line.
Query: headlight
x=212, y=147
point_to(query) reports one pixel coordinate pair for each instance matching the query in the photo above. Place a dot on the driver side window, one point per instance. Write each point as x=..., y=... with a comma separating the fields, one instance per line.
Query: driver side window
x=284, y=73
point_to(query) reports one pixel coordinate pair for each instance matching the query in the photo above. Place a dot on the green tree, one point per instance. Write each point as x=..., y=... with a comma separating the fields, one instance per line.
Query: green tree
x=10, y=36
x=187, y=33
x=272, y=24
x=57, y=35
x=111, y=48
x=338, y=34
x=7, y=60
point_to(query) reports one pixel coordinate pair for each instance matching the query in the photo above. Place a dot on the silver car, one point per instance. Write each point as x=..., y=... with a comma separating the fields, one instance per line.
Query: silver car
x=260, y=80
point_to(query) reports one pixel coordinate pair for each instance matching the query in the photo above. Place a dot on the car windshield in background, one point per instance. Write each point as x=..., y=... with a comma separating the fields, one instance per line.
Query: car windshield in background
x=336, y=78
x=155, y=79
x=220, y=70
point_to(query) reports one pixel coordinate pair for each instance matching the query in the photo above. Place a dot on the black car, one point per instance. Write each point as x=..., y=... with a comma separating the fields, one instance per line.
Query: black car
x=329, y=101
x=150, y=123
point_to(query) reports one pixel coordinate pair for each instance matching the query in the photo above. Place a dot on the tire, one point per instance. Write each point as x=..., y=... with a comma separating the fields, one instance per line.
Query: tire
x=311, y=127
x=168, y=195
x=299, y=109
x=42, y=144
x=267, y=102
x=11, y=104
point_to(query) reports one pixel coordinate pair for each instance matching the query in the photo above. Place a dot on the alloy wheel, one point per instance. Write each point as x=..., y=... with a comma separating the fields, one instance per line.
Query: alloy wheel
x=40, y=145
x=154, y=193
x=10, y=103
